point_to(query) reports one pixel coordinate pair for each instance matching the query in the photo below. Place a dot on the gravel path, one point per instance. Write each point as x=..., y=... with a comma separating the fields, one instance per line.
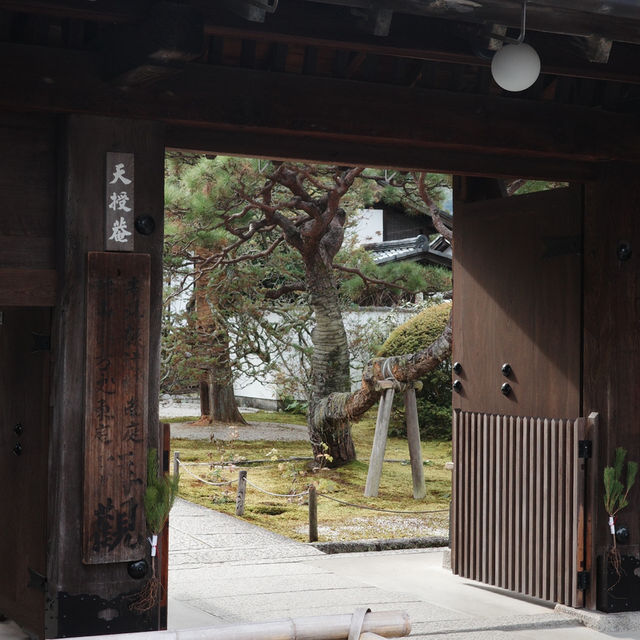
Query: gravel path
x=188, y=406
x=252, y=431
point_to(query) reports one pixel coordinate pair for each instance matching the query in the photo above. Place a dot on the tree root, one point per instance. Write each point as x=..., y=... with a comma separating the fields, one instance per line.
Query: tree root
x=148, y=597
x=615, y=560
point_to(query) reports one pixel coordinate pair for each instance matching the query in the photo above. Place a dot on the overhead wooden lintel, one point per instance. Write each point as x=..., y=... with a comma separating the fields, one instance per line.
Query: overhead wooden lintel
x=240, y=100
x=373, y=154
x=362, y=112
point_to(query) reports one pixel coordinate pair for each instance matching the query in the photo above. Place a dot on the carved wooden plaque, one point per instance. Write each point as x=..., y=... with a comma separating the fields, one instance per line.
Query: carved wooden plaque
x=119, y=202
x=117, y=369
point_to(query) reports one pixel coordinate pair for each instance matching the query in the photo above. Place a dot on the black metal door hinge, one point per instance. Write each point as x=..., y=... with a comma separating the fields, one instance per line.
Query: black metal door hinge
x=584, y=580
x=585, y=448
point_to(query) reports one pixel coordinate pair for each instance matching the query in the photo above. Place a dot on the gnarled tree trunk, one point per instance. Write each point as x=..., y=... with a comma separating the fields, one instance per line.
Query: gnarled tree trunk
x=217, y=399
x=344, y=407
x=329, y=366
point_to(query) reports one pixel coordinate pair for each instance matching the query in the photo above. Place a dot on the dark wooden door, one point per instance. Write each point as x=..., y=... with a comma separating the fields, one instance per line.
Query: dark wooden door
x=24, y=426
x=517, y=300
x=518, y=484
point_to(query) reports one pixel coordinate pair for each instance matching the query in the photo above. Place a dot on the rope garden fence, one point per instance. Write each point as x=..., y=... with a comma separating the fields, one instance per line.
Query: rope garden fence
x=313, y=494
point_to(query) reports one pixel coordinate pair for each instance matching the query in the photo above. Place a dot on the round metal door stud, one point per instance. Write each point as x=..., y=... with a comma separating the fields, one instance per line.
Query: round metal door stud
x=145, y=225
x=506, y=389
x=457, y=367
x=138, y=569
x=457, y=386
x=622, y=535
x=506, y=370
x=624, y=251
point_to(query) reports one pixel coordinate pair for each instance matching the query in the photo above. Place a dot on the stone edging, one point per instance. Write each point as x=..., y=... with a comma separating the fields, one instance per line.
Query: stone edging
x=355, y=546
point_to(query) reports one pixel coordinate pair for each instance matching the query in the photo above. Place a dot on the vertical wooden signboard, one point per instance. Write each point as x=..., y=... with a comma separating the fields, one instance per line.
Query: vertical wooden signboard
x=115, y=435
x=119, y=204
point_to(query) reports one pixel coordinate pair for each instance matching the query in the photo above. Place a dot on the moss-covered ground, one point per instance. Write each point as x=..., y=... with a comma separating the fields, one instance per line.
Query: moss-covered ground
x=336, y=521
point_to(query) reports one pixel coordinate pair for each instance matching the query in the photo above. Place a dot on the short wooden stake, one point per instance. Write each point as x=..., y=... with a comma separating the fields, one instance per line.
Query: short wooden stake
x=313, y=514
x=242, y=490
x=379, y=444
x=176, y=463
x=413, y=437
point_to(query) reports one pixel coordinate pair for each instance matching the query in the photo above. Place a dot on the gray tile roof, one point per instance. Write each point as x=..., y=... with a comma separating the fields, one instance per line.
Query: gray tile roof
x=418, y=249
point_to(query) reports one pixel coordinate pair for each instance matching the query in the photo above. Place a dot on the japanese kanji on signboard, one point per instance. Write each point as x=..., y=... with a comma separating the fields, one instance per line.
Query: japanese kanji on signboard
x=115, y=436
x=119, y=202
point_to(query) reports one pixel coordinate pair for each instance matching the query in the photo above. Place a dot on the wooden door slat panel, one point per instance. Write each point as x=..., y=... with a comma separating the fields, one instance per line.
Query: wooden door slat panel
x=518, y=512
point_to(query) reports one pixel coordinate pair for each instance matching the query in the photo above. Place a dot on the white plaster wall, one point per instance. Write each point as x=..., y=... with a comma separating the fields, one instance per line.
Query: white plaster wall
x=355, y=322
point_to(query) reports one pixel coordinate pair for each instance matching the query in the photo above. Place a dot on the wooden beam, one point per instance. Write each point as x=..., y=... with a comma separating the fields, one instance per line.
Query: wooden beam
x=28, y=287
x=374, y=154
x=107, y=11
x=257, y=101
x=446, y=40
x=551, y=16
x=84, y=143
x=436, y=41
x=30, y=252
x=616, y=19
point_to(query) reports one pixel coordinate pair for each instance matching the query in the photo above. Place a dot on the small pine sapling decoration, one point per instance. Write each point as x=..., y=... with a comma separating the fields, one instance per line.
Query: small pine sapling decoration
x=158, y=499
x=616, y=497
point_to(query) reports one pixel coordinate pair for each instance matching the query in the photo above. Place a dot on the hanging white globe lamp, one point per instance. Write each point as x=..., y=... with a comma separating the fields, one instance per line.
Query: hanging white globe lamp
x=516, y=66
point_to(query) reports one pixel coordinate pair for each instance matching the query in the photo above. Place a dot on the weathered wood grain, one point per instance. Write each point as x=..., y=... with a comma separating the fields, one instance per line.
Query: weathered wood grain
x=611, y=321
x=517, y=268
x=116, y=416
x=28, y=287
x=24, y=401
x=379, y=444
x=85, y=140
x=413, y=439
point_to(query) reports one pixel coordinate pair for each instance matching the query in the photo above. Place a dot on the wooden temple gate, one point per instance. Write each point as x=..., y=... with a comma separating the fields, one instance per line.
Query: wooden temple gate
x=546, y=283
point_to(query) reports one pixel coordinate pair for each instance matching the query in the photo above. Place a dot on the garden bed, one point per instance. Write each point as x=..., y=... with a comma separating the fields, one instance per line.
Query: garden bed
x=336, y=521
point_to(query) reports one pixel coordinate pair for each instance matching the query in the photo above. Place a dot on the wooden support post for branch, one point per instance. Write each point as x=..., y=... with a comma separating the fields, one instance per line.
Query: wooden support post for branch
x=242, y=489
x=176, y=463
x=379, y=444
x=413, y=437
x=313, y=514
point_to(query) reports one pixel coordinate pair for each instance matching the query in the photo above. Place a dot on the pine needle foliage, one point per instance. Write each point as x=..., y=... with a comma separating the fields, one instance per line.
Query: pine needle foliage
x=159, y=496
x=616, y=493
x=616, y=497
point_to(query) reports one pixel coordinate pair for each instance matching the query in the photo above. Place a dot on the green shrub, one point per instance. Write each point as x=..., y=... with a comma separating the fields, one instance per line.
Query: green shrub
x=434, y=400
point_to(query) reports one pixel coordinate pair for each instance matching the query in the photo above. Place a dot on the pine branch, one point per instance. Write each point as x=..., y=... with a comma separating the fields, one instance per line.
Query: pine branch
x=367, y=280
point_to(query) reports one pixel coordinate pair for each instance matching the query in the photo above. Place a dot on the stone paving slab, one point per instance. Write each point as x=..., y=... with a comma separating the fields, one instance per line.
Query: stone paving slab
x=225, y=570
x=248, y=570
x=193, y=585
